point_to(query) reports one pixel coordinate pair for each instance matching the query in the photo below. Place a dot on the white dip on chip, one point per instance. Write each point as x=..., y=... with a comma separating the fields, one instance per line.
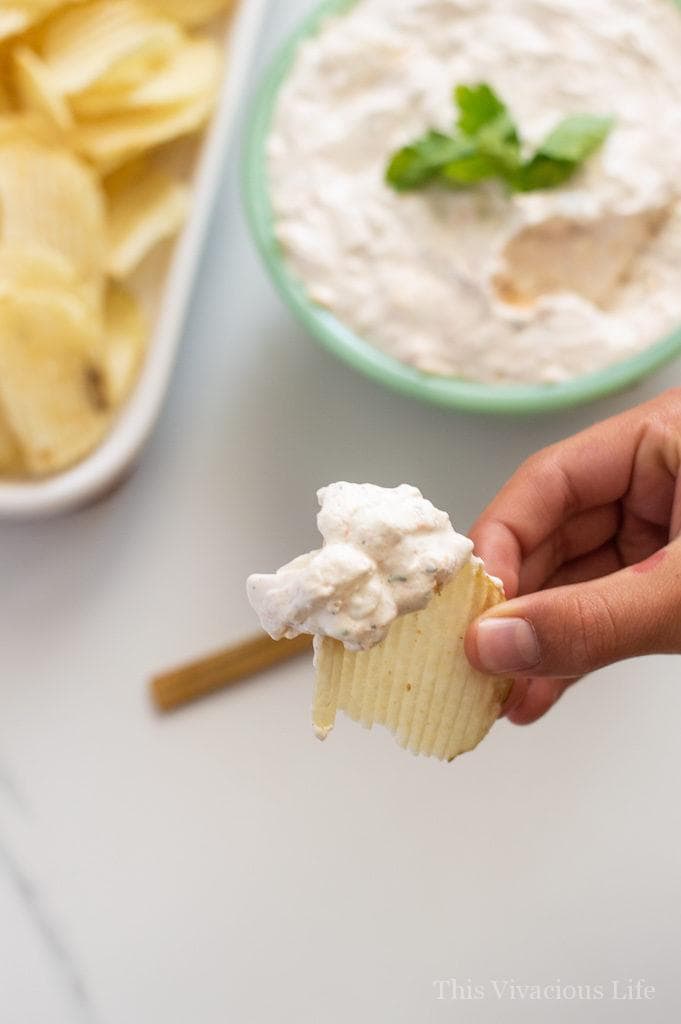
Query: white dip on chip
x=386, y=552
x=541, y=286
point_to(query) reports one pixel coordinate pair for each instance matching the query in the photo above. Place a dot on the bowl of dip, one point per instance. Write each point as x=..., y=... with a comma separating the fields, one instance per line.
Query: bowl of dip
x=398, y=285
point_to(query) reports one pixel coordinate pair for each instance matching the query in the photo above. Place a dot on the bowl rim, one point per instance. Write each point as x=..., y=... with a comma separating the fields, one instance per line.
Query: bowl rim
x=356, y=351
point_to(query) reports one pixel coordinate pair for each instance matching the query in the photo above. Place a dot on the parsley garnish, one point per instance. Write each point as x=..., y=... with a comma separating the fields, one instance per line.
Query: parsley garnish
x=486, y=144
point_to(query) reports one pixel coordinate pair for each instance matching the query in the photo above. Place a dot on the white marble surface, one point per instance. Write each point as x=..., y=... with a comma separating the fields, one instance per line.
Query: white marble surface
x=221, y=865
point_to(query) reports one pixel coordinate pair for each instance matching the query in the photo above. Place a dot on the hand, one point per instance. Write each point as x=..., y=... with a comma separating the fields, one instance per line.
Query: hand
x=585, y=536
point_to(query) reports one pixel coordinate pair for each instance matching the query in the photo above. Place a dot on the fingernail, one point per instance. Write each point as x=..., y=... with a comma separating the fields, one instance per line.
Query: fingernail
x=507, y=645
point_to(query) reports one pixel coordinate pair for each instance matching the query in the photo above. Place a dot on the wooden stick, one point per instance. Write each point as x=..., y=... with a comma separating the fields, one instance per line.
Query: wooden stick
x=172, y=689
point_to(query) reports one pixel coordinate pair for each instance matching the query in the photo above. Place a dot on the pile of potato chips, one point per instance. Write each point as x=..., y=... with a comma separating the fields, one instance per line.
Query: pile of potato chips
x=92, y=92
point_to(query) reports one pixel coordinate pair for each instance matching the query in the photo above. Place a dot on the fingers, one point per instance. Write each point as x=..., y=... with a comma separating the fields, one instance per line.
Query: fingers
x=651, y=492
x=639, y=538
x=609, y=558
x=580, y=518
x=502, y=554
x=589, y=470
x=633, y=458
x=530, y=699
x=516, y=696
x=602, y=562
x=540, y=696
x=584, y=533
x=500, y=550
x=579, y=550
x=572, y=630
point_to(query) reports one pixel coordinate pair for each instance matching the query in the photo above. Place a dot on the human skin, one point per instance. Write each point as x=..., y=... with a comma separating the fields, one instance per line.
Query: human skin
x=585, y=536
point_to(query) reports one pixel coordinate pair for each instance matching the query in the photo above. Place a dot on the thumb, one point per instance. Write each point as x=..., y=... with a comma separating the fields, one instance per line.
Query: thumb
x=569, y=631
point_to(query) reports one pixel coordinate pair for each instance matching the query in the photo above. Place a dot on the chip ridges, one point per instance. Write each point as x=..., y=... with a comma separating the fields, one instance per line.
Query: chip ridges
x=418, y=682
x=140, y=215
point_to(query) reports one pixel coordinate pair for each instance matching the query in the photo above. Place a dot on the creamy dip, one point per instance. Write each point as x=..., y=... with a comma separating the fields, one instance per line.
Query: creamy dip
x=478, y=284
x=386, y=552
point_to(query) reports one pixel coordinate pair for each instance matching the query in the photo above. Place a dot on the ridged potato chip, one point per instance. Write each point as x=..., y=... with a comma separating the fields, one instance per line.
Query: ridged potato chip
x=87, y=89
x=191, y=71
x=49, y=391
x=109, y=141
x=418, y=682
x=37, y=91
x=10, y=456
x=81, y=44
x=140, y=215
x=13, y=20
x=130, y=71
x=16, y=18
x=125, y=334
x=42, y=274
x=48, y=197
x=126, y=175
x=35, y=266
x=5, y=100
x=20, y=126
x=191, y=12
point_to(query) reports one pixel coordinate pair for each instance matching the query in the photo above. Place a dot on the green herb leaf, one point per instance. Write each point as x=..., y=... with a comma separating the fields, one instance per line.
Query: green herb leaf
x=499, y=140
x=496, y=154
x=541, y=172
x=486, y=144
x=478, y=105
x=562, y=153
x=576, y=138
x=417, y=164
x=468, y=170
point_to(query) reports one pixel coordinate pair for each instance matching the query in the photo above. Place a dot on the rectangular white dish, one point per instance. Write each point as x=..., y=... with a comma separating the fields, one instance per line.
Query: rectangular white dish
x=167, y=300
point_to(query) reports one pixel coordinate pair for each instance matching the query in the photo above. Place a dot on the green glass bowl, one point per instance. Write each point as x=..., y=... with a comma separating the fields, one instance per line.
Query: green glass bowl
x=359, y=353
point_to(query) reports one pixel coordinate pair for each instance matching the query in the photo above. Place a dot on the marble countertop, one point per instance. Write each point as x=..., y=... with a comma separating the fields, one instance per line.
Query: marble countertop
x=220, y=866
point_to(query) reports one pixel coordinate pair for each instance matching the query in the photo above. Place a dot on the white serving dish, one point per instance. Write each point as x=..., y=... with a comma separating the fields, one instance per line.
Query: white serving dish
x=167, y=282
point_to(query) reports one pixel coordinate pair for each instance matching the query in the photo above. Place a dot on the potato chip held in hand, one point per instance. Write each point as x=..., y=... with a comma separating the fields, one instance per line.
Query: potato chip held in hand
x=388, y=599
x=418, y=682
